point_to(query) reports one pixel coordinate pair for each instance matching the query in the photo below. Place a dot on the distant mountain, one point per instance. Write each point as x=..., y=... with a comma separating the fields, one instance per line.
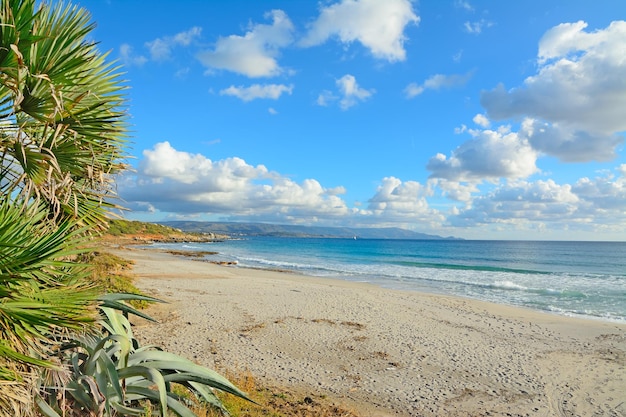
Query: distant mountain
x=279, y=230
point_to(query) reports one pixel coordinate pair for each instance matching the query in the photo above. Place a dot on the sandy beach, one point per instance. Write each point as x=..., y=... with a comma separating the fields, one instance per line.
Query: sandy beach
x=383, y=352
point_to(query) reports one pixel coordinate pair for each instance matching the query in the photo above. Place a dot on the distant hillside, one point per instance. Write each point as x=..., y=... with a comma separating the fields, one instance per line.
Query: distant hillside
x=135, y=232
x=277, y=230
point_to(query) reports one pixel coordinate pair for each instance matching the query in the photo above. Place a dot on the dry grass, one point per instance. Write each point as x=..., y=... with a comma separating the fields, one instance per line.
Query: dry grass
x=112, y=274
x=274, y=402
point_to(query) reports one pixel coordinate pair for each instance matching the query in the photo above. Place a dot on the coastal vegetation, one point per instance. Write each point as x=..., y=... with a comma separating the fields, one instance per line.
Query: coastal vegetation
x=122, y=231
x=120, y=227
x=65, y=347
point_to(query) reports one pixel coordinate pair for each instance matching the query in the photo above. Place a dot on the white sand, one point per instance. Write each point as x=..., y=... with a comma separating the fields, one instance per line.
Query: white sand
x=384, y=352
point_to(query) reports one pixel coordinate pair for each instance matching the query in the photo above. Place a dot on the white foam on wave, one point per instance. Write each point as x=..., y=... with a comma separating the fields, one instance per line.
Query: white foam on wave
x=508, y=285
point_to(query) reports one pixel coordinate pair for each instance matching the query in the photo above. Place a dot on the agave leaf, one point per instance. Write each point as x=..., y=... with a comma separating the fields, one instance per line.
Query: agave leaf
x=99, y=350
x=86, y=397
x=127, y=309
x=212, y=378
x=109, y=380
x=128, y=411
x=44, y=407
x=150, y=374
x=172, y=403
x=128, y=296
x=112, y=300
x=116, y=323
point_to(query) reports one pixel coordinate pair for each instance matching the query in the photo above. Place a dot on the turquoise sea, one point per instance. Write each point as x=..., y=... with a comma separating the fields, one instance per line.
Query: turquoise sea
x=570, y=278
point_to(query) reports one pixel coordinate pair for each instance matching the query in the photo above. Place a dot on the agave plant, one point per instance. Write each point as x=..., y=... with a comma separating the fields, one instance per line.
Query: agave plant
x=113, y=375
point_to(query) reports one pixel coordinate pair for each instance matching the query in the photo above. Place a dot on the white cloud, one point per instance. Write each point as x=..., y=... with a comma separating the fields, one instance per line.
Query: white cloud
x=579, y=89
x=174, y=181
x=351, y=92
x=481, y=120
x=272, y=111
x=570, y=145
x=437, y=82
x=590, y=205
x=606, y=195
x=377, y=25
x=522, y=203
x=403, y=202
x=166, y=163
x=256, y=91
x=456, y=190
x=128, y=57
x=405, y=196
x=185, y=38
x=254, y=54
x=476, y=28
x=413, y=90
x=161, y=48
x=490, y=155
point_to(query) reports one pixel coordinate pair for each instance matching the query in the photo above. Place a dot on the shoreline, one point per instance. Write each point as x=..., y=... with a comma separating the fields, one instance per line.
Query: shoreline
x=383, y=352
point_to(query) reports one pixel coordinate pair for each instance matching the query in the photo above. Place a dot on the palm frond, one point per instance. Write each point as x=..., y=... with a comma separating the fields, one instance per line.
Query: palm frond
x=62, y=111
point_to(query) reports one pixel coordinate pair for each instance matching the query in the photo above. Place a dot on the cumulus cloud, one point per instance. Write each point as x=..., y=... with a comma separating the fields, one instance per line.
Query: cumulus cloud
x=569, y=144
x=377, y=25
x=350, y=93
x=253, y=54
x=522, y=202
x=403, y=202
x=605, y=194
x=456, y=190
x=437, y=82
x=256, y=91
x=413, y=90
x=590, y=205
x=579, y=91
x=170, y=180
x=161, y=48
x=489, y=155
x=481, y=120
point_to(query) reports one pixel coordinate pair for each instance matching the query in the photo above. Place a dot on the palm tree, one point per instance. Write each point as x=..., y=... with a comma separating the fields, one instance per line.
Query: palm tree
x=62, y=138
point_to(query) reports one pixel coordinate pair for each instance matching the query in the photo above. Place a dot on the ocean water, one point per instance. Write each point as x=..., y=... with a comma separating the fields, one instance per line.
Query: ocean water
x=570, y=278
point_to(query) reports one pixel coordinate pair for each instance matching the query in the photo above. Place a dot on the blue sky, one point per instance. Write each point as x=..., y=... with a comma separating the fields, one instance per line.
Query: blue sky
x=488, y=120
